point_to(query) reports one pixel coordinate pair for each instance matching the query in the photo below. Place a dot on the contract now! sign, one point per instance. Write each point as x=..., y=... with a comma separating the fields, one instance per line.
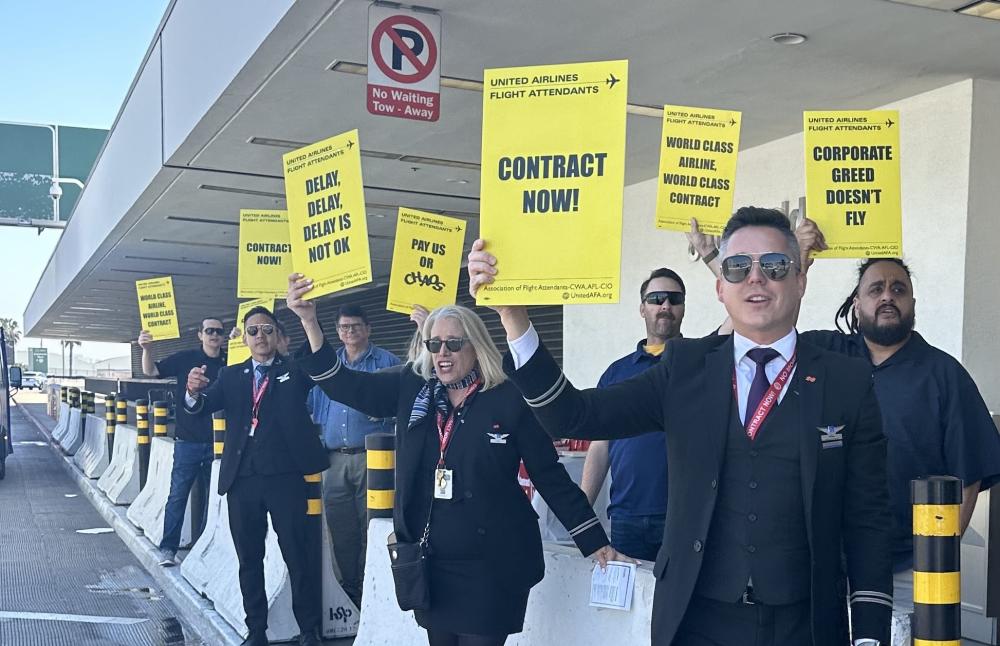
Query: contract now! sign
x=404, y=63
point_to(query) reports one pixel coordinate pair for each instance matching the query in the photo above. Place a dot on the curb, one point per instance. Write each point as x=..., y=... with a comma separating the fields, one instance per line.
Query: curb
x=198, y=611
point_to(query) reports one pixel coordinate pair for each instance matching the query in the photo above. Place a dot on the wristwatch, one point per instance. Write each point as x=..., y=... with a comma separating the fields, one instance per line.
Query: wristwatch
x=867, y=642
x=710, y=257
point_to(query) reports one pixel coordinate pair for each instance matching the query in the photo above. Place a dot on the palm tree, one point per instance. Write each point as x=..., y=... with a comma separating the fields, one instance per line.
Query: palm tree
x=66, y=343
x=10, y=328
x=71, y=344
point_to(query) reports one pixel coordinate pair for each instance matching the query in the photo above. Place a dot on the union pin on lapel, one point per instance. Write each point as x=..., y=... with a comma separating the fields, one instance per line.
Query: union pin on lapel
x=811, y=379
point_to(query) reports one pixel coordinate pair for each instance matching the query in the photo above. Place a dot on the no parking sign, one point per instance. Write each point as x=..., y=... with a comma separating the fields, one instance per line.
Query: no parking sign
x=404, y=63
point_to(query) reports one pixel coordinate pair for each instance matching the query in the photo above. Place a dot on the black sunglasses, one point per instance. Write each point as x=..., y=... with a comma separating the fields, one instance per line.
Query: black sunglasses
x=774, y=266
x=266, y=328
x=434, y=345
x=214, y=330
x=658, y=298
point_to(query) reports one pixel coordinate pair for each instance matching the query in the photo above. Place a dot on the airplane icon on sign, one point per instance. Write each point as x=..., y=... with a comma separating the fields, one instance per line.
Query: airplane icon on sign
x=611, y=80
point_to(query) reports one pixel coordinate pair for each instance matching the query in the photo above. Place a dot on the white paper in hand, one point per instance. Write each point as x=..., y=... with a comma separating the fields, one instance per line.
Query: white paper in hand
x=612, y=587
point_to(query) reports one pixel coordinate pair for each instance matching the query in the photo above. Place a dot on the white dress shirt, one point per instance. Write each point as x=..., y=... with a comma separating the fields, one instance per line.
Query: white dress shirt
x=746, y=368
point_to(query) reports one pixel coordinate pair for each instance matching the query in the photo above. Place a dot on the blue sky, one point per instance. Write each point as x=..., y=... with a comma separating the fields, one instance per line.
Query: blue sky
x=68, y=63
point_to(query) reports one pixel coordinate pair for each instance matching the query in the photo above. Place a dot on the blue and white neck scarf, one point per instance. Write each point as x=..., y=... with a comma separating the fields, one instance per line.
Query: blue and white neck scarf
x=437, y=393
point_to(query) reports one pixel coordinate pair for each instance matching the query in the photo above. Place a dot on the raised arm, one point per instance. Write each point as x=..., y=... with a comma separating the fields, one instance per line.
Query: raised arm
x=373, y=393
x=148, y=365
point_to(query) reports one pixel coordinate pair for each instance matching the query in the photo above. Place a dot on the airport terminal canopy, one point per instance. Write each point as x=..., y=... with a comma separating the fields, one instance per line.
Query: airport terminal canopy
x=227, y=87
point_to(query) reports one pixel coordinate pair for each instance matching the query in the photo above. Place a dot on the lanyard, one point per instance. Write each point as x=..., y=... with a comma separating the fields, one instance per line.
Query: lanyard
x=769, y=399
x=446, y=429
x=258, y=395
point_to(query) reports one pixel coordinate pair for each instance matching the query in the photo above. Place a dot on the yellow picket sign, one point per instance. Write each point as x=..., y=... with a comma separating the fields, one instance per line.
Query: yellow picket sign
x=326, y=214
x=238, y=352
x=697, y=168
x=553, y=167
x=852, y=181
x=265, y=256
x=156, y=307
x=426, y=261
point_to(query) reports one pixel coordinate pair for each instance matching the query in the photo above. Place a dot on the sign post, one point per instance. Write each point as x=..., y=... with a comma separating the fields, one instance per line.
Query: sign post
x=404, y=63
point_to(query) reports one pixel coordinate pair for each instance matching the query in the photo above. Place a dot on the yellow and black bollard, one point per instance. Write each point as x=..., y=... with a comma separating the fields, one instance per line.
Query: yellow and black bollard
x=74, y=397
x=121, y=409
x=937, y=550
x=313, y=545
x=142, y=440
x=109, y=422
x=64, y=394
x=87, y=408
x=314, y=495
x=381, y=449
x=218, y=433
x=161, y=415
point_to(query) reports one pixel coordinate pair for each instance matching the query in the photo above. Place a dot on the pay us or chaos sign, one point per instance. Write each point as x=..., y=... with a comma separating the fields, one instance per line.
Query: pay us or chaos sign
x=404, y=63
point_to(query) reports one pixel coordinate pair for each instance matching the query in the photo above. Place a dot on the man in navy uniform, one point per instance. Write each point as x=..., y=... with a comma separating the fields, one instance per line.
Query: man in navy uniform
x=270, y=445
x=776, y=459
x=638, y=465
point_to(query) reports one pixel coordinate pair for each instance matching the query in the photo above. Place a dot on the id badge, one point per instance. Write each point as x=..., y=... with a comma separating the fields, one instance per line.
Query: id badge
x=442, y=484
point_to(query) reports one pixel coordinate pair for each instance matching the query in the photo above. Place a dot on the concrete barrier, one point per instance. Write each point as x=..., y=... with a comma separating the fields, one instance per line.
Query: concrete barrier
x=120, y=481
x=92, y=458
x=73, y=437
x=74, y=400
x=147, y=510
x=340, y=616
x=213, y=552
x=63, y=421
x=82, y=453
x=213, y=570
x=224, y=589
x=558, y=609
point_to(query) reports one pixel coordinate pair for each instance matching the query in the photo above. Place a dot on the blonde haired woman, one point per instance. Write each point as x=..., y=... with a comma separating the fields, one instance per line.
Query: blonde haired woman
x=462, y=431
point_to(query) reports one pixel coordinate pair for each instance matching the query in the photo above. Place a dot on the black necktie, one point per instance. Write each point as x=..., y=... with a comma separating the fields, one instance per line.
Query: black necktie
x=760, y=384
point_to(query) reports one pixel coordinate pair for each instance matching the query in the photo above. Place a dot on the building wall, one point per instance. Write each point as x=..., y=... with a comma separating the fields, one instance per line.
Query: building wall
x=936, y=135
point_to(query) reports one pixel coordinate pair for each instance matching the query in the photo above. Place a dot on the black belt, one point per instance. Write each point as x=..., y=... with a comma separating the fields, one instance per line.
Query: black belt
x=349, y=450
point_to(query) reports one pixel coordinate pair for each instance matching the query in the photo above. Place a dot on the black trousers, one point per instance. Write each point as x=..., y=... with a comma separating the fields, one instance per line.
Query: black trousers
x=250, y=499
x=708, y=622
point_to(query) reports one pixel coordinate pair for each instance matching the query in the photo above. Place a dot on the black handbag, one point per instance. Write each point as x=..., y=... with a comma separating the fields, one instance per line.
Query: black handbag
x=409, y=571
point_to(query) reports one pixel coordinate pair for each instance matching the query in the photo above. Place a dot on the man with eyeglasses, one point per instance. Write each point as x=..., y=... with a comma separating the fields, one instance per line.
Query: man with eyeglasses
x=192, y=436
x=270, y=445
x=638, y=499
x=776, y=456
x=345, y=483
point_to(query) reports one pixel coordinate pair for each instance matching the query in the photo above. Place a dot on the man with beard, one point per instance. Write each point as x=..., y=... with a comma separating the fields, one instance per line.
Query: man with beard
x=933, y=416
x=638, y=500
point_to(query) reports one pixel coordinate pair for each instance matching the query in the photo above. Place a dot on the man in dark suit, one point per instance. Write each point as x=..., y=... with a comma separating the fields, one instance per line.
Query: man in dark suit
x=776, y=459
x=270, y=445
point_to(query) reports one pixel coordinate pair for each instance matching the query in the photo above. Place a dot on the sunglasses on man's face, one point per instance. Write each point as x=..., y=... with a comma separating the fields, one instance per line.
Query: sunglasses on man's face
x=266, y=328
x=434, y=345
x=774, y=266
x=214, y=330
x=659, y=298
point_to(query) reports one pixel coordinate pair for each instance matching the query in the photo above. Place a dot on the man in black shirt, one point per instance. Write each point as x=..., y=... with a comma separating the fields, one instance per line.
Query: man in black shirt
x=192, y=435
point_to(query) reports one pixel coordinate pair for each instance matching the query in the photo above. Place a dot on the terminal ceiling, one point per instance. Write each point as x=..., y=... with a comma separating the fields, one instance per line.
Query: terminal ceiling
x=715, y=53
